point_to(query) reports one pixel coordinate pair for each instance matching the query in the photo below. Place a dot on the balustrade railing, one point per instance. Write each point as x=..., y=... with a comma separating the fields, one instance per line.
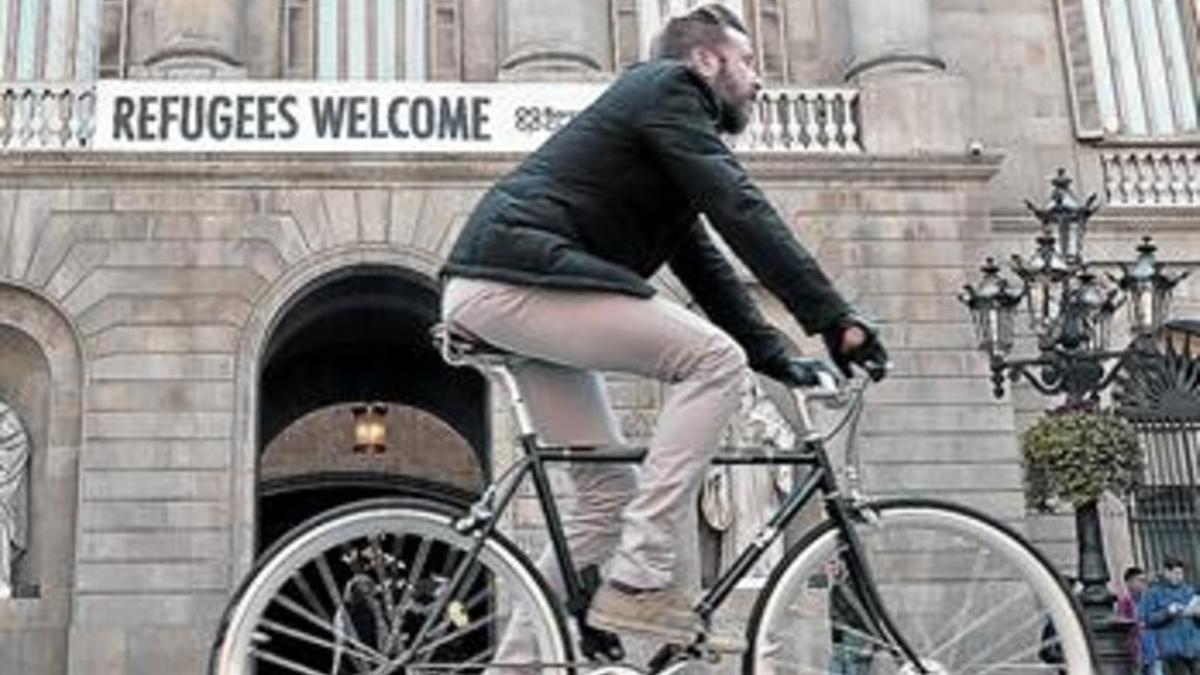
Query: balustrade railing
x=1153, y=177
x=805, y=121
x=47, y=116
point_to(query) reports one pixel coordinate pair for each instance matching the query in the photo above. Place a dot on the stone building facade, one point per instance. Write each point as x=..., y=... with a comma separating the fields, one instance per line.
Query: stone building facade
x=181, y=334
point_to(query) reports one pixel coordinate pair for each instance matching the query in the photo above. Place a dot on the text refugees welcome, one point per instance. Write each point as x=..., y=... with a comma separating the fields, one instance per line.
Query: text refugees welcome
x=267, y=117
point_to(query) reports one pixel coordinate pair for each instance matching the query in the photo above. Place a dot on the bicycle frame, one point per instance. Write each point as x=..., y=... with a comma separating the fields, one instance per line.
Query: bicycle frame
x=483, y=516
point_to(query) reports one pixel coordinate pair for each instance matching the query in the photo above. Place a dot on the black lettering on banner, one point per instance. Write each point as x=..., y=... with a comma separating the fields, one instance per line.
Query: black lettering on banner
x=192, y=124
x=146, y=117
x=377, y=130
x=421, y=117
x=328, y=113
x=123, y=109
x=244, y=121
x=289, y=117
x=453, y=122
x=358, y=117
x=266, y=115
x=480, y=118
x=394, y=116
x=220, y=124
x=168, y=117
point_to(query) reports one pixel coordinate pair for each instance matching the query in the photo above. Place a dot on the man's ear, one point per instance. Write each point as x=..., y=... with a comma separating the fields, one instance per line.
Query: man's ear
x=705, y=62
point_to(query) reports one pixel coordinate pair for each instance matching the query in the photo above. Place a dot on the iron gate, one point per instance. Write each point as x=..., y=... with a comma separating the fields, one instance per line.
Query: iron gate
x=1159, y=394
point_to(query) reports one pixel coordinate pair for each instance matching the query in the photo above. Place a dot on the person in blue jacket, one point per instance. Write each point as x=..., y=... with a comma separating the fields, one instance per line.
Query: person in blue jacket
x=1170, y=609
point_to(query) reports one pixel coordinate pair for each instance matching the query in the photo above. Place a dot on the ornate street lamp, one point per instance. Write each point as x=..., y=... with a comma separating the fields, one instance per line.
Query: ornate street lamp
x=370, y=427
x=1070, y=312
x=1070, y=307
x=1064, y=213
x=993, y=305
x=1149, y=290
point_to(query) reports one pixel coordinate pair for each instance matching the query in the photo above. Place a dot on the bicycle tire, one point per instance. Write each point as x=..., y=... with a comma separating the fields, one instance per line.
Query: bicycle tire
x=968, y=593
x=344, y=621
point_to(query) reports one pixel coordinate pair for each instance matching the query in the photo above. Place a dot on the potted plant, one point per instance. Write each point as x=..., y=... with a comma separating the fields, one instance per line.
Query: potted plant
x=1075, y=457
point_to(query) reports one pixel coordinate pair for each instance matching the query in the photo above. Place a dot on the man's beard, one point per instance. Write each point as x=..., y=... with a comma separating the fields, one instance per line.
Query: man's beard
x=733, y=115
x=733, y=118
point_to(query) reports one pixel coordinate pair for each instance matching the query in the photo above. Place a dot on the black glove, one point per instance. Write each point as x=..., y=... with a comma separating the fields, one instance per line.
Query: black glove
x=870, y=355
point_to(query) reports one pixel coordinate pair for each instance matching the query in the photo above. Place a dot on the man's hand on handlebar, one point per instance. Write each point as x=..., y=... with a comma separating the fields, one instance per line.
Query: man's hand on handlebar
x=853, y=341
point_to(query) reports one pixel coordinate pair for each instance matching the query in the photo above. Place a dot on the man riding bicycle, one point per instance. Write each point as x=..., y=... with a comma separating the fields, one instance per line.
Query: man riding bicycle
x=553, y=263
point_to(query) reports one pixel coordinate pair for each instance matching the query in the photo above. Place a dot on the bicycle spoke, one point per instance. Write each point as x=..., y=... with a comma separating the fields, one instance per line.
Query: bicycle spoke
x=425, y=649
x=285, y=663
x=437, y=629
x=982, y=619
x=1030, y=623
x=310, y=596
x=965, y=610
x=319, y=641
x=414, y=574
x=321, y=623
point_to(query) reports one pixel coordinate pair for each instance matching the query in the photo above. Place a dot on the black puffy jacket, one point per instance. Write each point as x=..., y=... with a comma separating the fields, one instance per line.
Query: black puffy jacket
x=615, y=194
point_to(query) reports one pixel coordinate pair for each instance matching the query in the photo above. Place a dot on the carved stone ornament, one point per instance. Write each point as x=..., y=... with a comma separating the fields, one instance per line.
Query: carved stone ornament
x=14, y=460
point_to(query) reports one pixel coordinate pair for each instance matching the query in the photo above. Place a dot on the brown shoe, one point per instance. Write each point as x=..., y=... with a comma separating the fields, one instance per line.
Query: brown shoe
x=664, y=614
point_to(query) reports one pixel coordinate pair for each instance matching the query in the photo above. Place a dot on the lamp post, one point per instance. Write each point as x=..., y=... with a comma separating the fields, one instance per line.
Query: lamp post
x=1070, y=312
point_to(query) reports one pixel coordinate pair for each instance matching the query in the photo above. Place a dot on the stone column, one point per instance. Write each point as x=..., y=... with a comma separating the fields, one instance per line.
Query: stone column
x=196, y=38
x=555, y=40
x=909, y=103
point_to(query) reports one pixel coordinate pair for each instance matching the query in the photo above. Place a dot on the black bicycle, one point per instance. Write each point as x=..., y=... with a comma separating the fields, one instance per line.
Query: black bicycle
x=896, y=586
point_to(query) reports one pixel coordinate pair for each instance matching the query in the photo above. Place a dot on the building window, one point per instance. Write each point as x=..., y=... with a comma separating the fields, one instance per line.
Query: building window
x=637, y=22
x=49, y=39
x=372, y=39
x=1132, y=66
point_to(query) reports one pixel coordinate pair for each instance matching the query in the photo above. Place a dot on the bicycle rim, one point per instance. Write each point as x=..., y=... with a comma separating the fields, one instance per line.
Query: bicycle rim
x=348, y=594
x=969, y=596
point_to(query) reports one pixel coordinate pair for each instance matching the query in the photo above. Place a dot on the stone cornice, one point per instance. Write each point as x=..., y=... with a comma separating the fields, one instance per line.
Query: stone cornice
x=98, y=169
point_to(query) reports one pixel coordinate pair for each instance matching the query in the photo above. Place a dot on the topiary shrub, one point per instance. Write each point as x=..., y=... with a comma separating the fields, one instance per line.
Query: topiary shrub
x=1074, y=457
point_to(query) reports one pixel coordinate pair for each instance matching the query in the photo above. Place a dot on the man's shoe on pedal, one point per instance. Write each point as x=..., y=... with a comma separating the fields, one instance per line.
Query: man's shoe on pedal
x=662, y=613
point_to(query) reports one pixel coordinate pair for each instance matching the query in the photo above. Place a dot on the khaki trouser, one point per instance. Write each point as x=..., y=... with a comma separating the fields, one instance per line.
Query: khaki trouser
x=577, y=334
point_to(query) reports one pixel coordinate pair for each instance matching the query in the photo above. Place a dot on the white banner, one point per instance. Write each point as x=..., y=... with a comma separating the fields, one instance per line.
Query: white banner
x=359, y=116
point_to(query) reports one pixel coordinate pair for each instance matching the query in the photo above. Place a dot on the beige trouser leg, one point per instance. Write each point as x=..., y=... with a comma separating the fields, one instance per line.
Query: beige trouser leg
x=652, y=337
x=592, y=331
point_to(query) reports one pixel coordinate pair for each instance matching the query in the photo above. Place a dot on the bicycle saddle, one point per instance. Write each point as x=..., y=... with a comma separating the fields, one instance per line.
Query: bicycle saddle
x=454, y=340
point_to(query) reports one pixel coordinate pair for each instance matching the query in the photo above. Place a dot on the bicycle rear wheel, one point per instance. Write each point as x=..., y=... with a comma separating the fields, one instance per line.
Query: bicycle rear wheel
x=346, y=594
x=969, y=596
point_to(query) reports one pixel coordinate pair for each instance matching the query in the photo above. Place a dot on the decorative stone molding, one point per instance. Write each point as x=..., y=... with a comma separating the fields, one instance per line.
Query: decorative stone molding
x=1152, y=177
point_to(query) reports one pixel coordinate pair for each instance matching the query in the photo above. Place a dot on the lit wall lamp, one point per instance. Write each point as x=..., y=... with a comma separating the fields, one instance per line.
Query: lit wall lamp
x=370, y=427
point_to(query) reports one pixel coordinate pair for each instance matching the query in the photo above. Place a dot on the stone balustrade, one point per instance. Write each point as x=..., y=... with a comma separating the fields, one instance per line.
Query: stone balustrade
x=46, y=116
x=803, y=120
x=61, y=116
x=1152, y=176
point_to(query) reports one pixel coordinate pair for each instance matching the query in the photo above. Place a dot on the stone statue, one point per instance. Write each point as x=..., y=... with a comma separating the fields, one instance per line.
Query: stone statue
x=14, y=512
x=738, y=500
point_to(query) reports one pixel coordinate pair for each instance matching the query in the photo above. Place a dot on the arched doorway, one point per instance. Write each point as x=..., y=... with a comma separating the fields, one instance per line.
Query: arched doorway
x=358, y=335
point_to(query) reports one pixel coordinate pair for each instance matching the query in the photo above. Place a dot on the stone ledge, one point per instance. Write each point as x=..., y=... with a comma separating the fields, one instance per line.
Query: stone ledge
x=51, y=169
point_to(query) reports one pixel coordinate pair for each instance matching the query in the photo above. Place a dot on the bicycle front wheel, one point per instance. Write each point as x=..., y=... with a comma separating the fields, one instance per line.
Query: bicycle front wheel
x=968, y=595
x=349, y=592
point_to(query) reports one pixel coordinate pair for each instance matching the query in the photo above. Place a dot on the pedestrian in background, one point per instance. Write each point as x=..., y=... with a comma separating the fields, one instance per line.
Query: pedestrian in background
x=1139, y=643
x=1170, y=608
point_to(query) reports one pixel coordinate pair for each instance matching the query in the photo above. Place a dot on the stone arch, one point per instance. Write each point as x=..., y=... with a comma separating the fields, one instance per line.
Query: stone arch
x=41, y=379
x=274, y=321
